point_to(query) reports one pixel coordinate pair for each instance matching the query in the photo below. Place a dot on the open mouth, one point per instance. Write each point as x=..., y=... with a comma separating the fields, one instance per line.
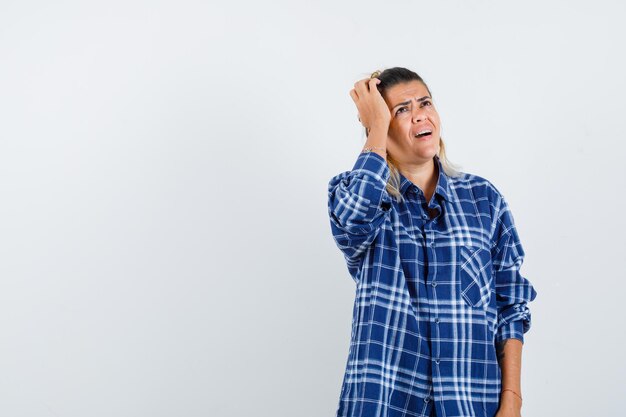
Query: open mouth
x=423, y=134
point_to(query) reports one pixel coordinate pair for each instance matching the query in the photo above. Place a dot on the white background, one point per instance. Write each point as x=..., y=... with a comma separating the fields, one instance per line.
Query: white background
x=165, y=243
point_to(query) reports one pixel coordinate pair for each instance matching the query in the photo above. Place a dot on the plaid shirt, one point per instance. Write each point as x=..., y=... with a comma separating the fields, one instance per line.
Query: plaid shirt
x=433, y=295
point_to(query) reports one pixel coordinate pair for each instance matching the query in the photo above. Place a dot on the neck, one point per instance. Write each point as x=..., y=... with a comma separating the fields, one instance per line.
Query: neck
x=424, y=175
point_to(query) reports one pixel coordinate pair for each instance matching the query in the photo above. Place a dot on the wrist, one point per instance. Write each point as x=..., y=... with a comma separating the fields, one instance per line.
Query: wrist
x=380, y=126
x=511, y=399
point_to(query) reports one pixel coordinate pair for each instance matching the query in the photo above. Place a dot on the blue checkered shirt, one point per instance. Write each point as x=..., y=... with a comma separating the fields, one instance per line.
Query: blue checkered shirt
x=438, y=283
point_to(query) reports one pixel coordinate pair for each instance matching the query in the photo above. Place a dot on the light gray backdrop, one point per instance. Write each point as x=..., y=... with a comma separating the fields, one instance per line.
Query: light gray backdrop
x=165, y=244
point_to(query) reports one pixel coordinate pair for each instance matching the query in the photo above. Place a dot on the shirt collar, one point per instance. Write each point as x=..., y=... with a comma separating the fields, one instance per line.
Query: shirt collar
x=442, y=188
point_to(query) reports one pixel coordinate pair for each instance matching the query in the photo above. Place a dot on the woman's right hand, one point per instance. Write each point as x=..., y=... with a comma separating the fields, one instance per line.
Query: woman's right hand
x=373, y=110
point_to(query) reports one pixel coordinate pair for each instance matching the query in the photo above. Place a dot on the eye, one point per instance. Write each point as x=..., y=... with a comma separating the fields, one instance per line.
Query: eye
x=426, y=103
x=401, y=108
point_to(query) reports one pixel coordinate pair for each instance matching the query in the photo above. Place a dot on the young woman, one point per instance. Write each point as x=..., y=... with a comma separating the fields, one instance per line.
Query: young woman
x=440, y=309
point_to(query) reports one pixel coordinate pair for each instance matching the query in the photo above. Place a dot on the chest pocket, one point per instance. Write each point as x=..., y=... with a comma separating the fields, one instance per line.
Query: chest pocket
x=475, y=280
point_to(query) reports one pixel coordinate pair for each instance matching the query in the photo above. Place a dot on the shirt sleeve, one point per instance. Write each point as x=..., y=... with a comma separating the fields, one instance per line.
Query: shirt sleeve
x=513, y=290
x=357, y=204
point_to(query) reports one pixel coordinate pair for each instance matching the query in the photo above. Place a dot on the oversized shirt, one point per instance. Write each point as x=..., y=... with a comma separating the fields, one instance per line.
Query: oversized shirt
x=438, y=283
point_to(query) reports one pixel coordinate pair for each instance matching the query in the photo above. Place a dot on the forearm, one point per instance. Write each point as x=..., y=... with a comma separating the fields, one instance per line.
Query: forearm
x=377, y=138
x=510, y=360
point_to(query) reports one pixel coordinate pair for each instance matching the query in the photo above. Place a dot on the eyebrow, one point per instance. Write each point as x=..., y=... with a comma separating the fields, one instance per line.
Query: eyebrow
x=408, y=101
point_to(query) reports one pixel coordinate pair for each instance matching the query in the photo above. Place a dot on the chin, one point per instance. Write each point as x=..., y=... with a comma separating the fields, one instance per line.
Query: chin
x=426, y=149
x=425, y=155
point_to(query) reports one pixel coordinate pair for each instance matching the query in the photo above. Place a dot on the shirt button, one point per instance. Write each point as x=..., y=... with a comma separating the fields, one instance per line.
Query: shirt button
x=432, y=244
x=434, y=283
x=436, y=319
x=426, y=399
x=437, y=361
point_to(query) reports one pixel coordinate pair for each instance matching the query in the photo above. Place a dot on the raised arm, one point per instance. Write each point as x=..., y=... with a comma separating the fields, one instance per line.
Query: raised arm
x=358, y=200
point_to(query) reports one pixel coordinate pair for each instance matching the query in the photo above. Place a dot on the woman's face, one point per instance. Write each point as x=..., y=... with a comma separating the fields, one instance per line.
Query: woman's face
x=412, y=112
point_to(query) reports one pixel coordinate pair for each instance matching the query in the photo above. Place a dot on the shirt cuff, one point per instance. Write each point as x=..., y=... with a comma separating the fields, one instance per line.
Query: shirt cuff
x=511, y=330
x=374, y=165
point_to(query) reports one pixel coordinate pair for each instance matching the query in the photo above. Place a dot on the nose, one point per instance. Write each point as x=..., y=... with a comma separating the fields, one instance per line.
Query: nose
x=418, y=115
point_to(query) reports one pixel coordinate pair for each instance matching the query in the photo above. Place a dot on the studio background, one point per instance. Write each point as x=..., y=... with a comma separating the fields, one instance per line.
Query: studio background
x=166, y=248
